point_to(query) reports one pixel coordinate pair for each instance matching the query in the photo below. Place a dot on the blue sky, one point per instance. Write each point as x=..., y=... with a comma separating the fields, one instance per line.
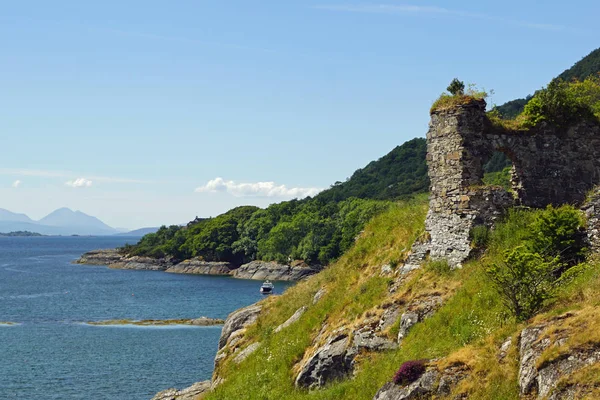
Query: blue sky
x=131, y=110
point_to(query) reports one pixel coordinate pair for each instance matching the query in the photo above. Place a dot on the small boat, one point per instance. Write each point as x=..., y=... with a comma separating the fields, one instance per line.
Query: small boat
x=267, y=287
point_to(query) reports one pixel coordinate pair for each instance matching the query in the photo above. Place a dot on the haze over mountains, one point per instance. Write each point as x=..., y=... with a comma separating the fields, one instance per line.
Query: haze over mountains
x=63, y=221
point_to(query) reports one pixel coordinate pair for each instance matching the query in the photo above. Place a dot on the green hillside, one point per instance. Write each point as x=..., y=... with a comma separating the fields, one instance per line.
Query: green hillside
x=316, y=230
x=587, y=66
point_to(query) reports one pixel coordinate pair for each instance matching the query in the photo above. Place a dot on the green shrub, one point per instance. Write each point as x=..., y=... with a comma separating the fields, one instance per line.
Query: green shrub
x=557, y=104
x=525, y=281
x=557, y=232
x=456, y=87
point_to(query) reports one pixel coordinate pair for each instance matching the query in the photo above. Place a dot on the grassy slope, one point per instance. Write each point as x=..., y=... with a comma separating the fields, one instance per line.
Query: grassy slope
x=469, y=328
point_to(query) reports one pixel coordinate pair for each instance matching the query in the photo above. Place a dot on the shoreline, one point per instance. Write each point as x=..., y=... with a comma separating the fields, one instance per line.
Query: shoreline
x=254, y=270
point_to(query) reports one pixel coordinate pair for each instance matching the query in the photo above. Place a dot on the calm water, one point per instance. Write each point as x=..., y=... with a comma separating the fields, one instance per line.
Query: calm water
x=52, y=355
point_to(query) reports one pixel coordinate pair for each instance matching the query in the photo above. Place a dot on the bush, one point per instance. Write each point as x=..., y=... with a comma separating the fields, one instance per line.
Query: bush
x=557, y=104
x=525, y=281
x=409, y=372
x=557, y=232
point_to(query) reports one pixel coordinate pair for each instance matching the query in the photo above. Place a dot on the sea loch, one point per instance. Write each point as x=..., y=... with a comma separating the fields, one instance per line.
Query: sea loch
x=51, y=353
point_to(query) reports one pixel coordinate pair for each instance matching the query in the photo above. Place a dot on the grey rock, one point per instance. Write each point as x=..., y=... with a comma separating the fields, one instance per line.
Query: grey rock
x=142, y=263
x=318, y=295
x=418, y=310
x=190, y=393
x=243, y=354
x=543, y=380
x=238, y=320
x=100, y=257
x=333, y=360
x=368, y=340
x=292, y=319
x=262, y=270
x=423, y=387
x=200, y=267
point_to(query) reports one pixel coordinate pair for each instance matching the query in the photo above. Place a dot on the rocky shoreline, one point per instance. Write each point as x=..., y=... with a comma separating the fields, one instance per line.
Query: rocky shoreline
x=202, y=321
x=257, y=270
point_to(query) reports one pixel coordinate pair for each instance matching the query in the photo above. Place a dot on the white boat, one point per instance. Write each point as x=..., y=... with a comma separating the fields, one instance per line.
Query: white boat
x=267, y=287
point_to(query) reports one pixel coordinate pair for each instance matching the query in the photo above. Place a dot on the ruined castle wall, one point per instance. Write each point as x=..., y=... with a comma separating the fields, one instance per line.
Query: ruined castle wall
x=551, y=166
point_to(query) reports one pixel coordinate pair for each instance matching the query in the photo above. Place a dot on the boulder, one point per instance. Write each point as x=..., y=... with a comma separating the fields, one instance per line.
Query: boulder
x=333, y=360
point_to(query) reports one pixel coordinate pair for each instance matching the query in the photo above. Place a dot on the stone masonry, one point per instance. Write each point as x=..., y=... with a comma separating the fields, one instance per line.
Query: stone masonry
x=550, y=166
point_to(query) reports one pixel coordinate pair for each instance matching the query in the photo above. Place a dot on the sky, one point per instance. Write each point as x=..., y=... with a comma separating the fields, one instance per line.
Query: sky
x=145, y=113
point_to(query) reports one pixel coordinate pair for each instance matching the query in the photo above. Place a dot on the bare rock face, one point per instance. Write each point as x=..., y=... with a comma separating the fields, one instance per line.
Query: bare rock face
x=333, y=360
x=292, y=319
x=200, y=267
x=238, y=320
x=142, y=263
x=191, y=393
x=262, y=270
x=417, y=311
x=243, y=354
x=100, y=257
x=542, y=380
x=231, y=335
x=432, y=384
x=423, y=387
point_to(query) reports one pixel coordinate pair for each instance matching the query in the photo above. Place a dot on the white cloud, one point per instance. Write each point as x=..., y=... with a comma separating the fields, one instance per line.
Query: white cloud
x=16, y=183
x=257, y=189
x=79, y=182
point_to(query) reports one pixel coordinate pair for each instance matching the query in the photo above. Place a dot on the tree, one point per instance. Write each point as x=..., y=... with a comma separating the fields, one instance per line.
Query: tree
x=456, y=88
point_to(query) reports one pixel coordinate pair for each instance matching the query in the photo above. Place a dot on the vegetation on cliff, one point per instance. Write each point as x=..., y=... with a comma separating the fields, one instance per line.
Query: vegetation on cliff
x=467, y=330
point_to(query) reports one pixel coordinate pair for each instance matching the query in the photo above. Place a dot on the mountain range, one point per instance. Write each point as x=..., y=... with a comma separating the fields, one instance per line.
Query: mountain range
x=63, y=221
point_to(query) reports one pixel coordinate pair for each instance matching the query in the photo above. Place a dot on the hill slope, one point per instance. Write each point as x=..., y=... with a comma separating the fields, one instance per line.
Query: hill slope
x=400, y=173
x=588, y=65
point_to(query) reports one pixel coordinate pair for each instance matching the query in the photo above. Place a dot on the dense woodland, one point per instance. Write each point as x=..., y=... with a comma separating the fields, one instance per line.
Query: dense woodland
x=319, y=230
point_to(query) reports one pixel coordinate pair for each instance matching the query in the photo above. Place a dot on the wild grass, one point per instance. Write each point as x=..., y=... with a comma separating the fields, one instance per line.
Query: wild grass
x=469, y=328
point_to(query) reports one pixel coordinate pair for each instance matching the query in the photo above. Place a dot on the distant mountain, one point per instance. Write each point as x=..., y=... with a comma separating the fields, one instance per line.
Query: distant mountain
x=60, y=222
x=138, y=232
x=6, y=215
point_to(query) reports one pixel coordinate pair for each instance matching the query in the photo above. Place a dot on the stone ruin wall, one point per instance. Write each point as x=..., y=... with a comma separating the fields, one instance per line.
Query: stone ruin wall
x=550, y=166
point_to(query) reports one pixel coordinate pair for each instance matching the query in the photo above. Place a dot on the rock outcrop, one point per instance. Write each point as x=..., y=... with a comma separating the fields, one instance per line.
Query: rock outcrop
x=262, y=270
x=540, y=376
x=432, y=384
x=142, y=263
x=334, y=360
x=200, y=267
x=295, y=317
x=417, y=311
x=194, y=392
x=100, y=257
x=237, y=321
